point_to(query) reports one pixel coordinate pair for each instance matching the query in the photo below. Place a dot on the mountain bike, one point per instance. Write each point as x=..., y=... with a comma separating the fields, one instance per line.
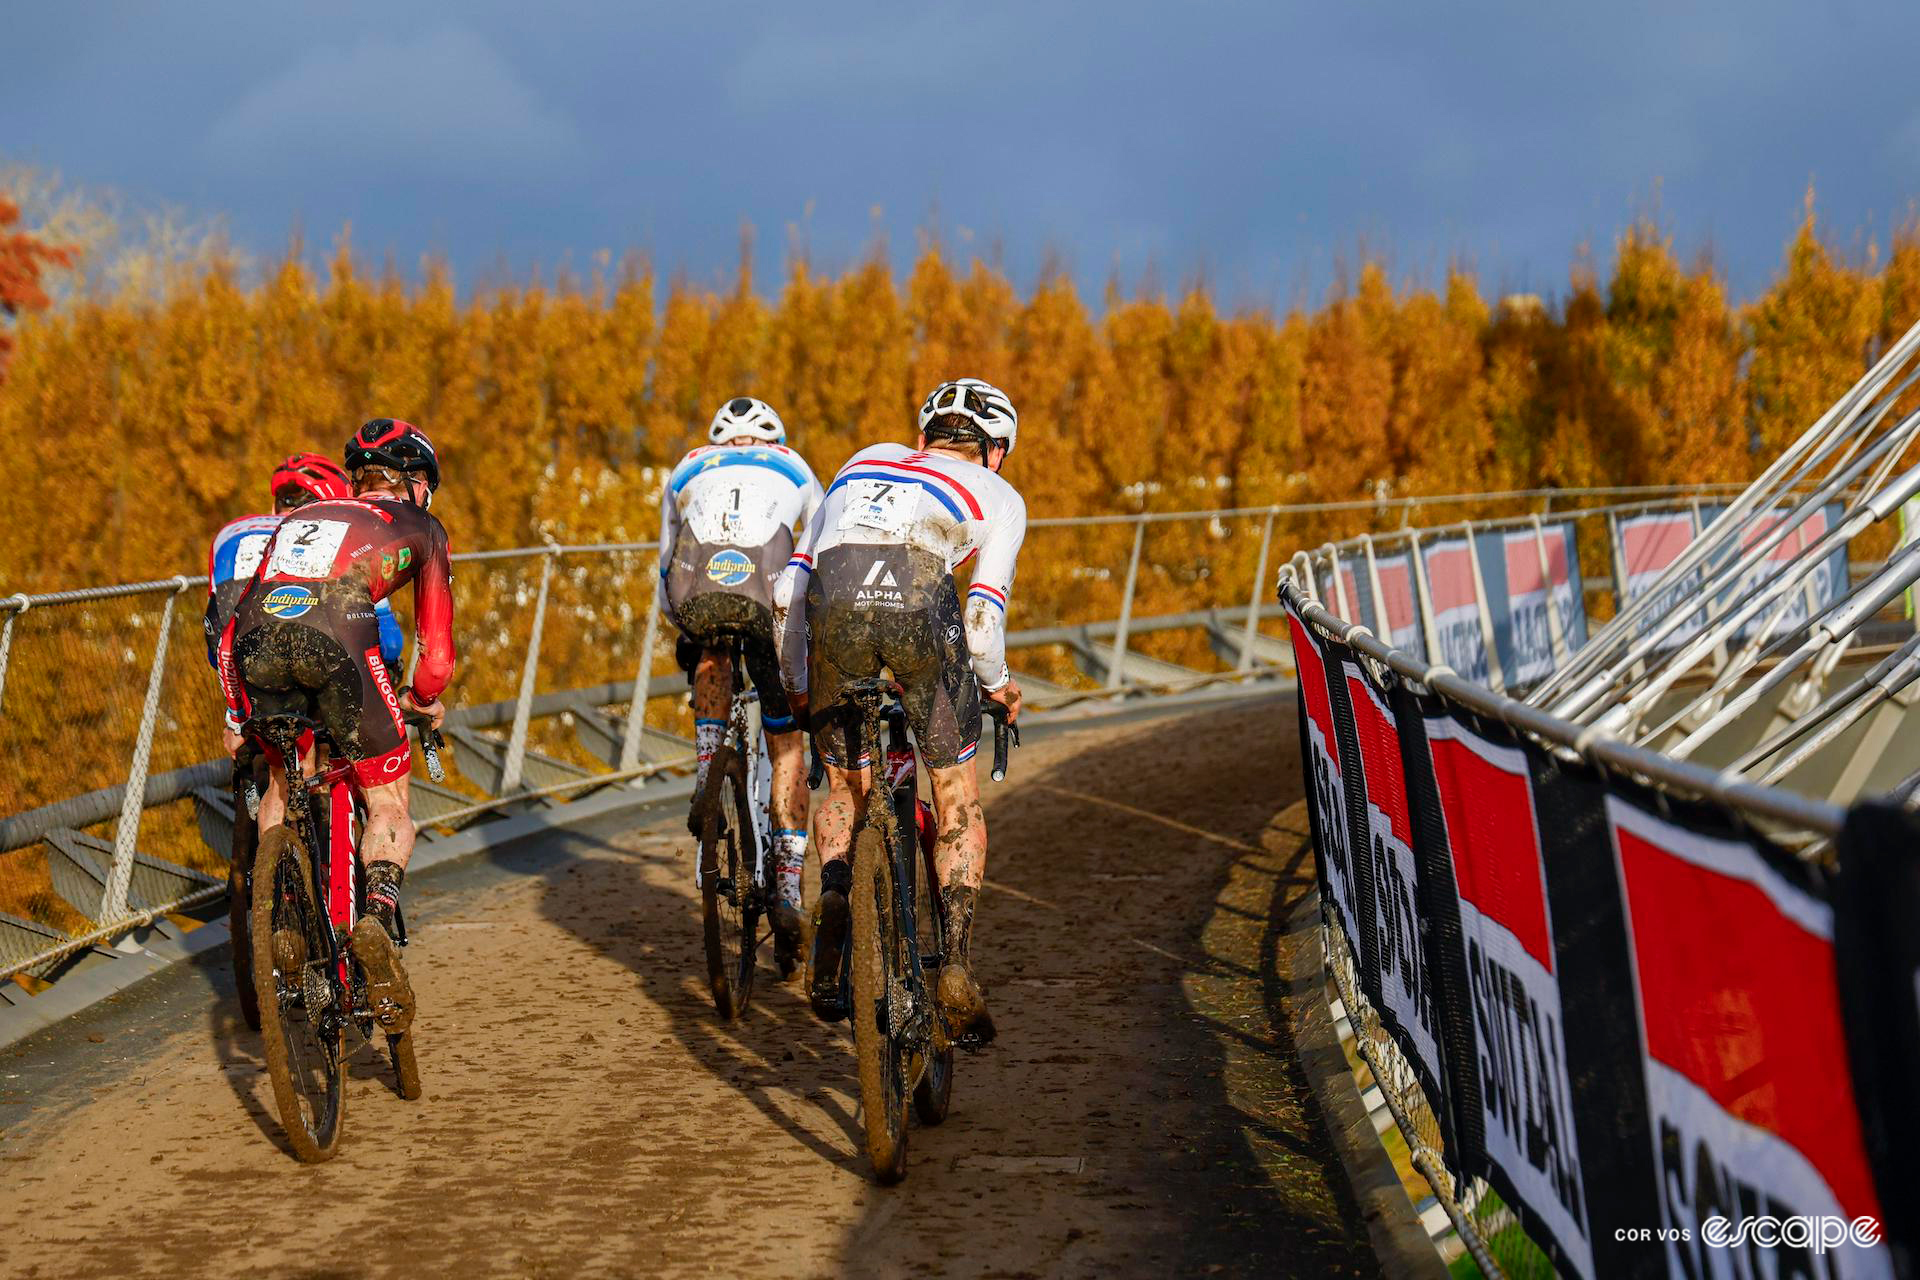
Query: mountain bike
x=308, y=984
x=735, y=877
x=888, y=975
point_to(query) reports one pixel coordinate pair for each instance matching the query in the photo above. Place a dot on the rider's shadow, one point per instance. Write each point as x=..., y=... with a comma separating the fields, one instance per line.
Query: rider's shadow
x=636, y=906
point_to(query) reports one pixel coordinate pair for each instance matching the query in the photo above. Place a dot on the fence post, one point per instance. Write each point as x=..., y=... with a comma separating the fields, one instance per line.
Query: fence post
x=20, y=606
x=517, y=743
x=1126, y=605
x=113, y=901
x=642, y=677
x=1253, y=598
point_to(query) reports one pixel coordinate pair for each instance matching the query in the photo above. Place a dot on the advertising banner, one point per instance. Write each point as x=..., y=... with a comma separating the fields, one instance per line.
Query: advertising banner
x=1401, y=977
x=1494, y=952
x=1877, y=948
x=1517, y=595
x=1456, y=609
x=1649, y=544
x=1744, y=1053
x=1824, y=584
x=1398, y=619
x=1326, y=790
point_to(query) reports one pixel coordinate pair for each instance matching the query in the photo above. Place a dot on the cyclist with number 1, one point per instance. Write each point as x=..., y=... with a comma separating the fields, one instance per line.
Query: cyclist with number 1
x=727, y=517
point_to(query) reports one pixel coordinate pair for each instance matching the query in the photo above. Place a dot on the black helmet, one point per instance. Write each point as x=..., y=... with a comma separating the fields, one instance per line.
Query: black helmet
x=389, y=442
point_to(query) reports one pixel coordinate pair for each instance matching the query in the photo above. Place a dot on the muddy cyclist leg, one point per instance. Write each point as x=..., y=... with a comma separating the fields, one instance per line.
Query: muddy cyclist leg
x=712, y=698
x=788, y=752
x=386, y=842
x=960, y=858
x=846, y=793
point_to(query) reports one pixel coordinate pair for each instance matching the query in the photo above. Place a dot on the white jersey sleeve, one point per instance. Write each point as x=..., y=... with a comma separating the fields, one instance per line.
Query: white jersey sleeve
x=986, y=612
x=669, y=532
x=790, y=603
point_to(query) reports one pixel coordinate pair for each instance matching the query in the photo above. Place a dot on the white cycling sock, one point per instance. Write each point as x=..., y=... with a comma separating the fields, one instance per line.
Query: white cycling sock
x=789, y=858
x=707, y=735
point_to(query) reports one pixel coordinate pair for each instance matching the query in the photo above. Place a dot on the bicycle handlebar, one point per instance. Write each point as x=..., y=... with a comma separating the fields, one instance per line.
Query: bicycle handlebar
x=1003, y=730
x=431, y=743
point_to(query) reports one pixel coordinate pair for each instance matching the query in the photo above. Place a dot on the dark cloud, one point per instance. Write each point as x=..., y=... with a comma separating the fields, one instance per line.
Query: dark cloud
x=1261, y=143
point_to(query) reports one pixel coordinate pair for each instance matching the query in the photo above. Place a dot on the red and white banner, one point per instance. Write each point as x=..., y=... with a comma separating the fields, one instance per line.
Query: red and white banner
x=1525, y=1094
x=1397, y=610
x=1329, y=799
x=1528, y=588
x=1752, y=1105
x=1649, y=545
x=1456, y=609
x=1402, y=975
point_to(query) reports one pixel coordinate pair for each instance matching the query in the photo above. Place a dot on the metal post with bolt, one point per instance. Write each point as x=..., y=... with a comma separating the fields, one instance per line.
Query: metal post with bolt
x=642, y=678
x=517, y=743
x=1115, y=669
x=113, y=901
x=1254, y=596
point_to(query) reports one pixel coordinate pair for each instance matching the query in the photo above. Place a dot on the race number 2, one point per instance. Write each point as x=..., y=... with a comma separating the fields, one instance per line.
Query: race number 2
x=886, y=505
x=306, y=548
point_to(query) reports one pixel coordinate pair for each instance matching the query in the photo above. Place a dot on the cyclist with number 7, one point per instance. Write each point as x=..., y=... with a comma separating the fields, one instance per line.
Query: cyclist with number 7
x=871, y=586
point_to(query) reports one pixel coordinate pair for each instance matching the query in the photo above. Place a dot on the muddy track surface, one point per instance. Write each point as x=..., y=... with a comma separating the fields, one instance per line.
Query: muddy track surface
x=587, y=1113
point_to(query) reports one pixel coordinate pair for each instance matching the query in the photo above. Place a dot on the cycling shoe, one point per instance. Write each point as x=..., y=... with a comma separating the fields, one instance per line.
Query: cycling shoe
x=389, y=994
x=963, y=1007
x=789, y=934
x=831, y=918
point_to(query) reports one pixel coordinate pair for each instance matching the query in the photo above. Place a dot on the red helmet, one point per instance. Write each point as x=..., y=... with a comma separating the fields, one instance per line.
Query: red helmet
x=320, y=476
x=389, y=442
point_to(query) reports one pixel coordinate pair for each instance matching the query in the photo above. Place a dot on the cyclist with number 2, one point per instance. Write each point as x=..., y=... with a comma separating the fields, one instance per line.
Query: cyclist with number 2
x=871, y=586
x=304, y=636
x=727, y=518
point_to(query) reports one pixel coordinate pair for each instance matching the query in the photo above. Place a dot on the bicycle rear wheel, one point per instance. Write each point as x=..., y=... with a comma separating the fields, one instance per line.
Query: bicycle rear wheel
x=300, y=1033
x=933, y=1092
x=729, y=904
x=879, y=971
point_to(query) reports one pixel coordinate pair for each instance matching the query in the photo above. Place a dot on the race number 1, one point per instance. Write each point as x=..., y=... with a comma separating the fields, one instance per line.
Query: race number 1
x=886, y=505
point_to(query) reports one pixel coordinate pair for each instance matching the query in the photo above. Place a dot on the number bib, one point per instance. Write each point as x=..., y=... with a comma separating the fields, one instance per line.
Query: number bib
x=886, y=505
x=307, y=548
x=247, y=553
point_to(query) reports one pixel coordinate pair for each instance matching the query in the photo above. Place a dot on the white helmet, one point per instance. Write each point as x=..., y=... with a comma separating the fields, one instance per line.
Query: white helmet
x=745, y=416
x=981, y=403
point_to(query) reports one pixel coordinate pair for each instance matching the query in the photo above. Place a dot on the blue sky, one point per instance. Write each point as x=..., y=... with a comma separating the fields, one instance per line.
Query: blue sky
x=1260, y=144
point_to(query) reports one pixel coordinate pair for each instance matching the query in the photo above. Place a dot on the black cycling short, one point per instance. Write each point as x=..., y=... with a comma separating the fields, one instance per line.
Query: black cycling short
x=333, y=676
x=870, y=607
x=714, y=620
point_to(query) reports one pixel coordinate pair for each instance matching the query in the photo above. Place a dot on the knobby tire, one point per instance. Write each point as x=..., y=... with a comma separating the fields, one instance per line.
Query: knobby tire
x=877, y=958
x=730, y=921
x=306, y=1068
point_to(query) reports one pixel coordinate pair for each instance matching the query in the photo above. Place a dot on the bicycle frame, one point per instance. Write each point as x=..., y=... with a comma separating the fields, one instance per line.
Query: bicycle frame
x=334, y=861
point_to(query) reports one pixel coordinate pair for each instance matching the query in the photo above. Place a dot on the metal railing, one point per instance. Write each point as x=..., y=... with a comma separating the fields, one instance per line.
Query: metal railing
x=115, y=816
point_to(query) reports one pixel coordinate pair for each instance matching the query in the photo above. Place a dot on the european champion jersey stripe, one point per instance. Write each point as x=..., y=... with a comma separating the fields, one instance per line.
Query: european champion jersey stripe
x=859, y=472
x=691, y=467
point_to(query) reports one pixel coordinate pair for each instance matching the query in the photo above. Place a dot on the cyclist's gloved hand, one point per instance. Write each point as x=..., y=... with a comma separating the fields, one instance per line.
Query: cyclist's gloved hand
x=435, y=710
x=1008, y=696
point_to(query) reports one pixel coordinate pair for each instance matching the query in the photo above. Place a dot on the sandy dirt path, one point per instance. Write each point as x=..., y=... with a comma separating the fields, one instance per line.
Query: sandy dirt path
x=587, y=1113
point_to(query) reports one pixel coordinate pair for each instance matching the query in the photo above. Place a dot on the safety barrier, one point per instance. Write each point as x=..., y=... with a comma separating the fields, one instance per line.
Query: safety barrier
x=1627, y=1010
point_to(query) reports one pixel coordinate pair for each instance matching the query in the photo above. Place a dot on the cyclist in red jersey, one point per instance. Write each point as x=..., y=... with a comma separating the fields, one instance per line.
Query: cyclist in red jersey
x=303, y=638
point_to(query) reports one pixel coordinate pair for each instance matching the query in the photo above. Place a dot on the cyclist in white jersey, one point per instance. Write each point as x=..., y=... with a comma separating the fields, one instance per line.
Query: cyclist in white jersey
x=726, y=529
x=871, y=586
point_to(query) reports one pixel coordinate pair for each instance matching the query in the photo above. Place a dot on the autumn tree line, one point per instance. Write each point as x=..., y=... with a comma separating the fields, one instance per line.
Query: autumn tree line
x=133, y=427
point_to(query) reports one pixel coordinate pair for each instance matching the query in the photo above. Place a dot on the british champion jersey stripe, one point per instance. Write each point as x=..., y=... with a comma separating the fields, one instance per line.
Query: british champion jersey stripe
x=860, y=472
x=946, y=481
x=699, y=463
x=995, y=598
